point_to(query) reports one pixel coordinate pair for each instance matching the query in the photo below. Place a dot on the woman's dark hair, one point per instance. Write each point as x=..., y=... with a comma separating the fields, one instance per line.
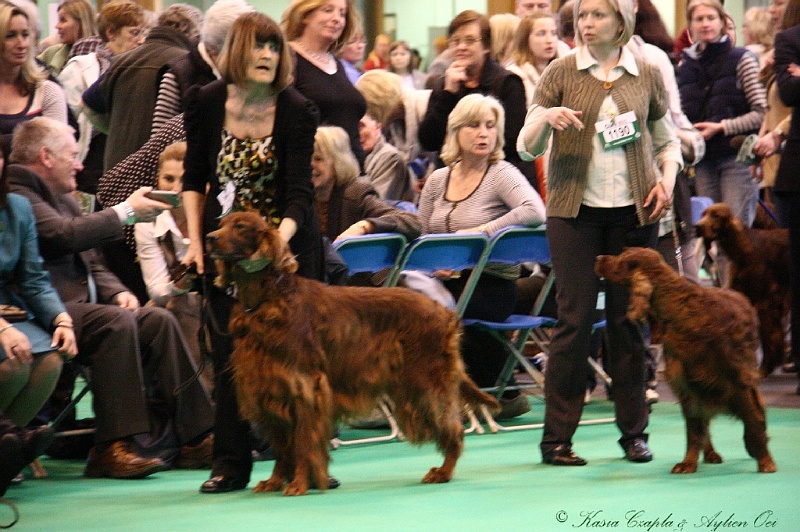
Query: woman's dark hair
x=651, y=28
x=791, y=15
x=3, y=174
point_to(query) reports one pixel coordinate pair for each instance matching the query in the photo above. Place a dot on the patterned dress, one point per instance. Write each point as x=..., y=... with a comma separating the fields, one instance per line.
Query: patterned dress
x=249, y=166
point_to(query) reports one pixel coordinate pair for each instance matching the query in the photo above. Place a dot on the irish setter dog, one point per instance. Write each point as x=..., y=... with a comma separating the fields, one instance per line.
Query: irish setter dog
x=710, y=338
x=307, y=354
x=759, y=269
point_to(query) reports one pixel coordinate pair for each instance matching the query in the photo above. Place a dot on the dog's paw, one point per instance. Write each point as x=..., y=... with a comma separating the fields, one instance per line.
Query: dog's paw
x=436, y=476
x=295, y=488
x=712, y=457
x=766, y=465
x=684, y=467
x=271, y=485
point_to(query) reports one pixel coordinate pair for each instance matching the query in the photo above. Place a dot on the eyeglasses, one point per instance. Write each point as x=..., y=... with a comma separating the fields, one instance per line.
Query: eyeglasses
x=469, y=41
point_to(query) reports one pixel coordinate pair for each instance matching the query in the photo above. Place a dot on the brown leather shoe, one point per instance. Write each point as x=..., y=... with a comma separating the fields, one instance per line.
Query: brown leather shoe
x=196, y=456
x=119, y=461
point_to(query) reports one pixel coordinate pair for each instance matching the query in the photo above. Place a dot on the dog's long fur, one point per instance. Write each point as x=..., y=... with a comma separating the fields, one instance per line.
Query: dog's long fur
x=759, y=269
x=307, y=354
x=710, y=338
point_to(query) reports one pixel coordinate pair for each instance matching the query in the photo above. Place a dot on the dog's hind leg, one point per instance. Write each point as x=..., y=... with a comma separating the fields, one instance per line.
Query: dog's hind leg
x=750, y=409
x=449, y=434
x=696, y=438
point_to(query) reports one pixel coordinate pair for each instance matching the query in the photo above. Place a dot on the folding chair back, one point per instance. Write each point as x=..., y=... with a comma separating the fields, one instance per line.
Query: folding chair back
x=451, y=251
x=515, y=245
x=372, y=253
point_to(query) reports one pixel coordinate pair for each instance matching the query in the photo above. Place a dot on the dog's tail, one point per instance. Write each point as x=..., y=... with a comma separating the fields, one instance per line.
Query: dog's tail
x=474, y=396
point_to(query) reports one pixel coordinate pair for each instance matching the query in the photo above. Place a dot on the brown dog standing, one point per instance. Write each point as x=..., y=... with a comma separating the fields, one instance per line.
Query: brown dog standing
x=710, y=338
x=759, y=269
x=307, y=354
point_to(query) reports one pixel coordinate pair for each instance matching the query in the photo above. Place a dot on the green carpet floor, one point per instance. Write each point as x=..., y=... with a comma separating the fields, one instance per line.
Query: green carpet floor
x=499, y=484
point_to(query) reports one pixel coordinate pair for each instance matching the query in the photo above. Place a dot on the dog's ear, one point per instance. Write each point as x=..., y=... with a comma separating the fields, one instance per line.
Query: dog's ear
x=641, y=291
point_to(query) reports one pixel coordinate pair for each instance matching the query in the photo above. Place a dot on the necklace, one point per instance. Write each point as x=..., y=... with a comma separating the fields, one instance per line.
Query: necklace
x=323, y=58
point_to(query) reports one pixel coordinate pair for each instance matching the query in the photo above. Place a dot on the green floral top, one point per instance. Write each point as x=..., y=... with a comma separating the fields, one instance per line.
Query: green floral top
x=247, y=169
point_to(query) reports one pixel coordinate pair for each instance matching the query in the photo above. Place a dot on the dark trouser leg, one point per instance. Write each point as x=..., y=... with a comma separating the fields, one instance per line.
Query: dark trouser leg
x=788, y=207
x=493, y=299
x=232, y=456
x=575, y=245
x=108, y=342
x=167, y=357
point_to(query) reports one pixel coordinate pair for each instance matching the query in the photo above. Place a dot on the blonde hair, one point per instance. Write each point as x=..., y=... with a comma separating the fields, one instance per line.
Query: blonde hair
x=83, y=12
x=333, y=143
x=758, y=23
x=245, y=32
x=623, y=9
x=31, y=73
x=502, y=27
x=174, y=152
x=383, y=91
x=293, y=24
x=470, y=108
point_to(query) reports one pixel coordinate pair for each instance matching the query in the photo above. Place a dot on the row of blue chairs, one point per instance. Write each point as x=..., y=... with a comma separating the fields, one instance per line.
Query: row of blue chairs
x=466, y=251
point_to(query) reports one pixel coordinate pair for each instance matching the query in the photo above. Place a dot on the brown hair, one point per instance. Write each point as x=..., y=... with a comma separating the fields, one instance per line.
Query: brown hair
x=468, y=17
x=246, y=31
x=114, y=16
x=292, y=21
x=521, y=53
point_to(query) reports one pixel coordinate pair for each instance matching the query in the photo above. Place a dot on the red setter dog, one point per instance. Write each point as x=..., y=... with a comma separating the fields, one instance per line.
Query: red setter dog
x=759, y=269
x=710, y=338
x=307, y=354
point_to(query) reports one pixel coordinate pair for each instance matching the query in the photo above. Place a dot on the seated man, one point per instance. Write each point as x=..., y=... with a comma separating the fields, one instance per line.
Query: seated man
x=135, y=353
x=383, y=165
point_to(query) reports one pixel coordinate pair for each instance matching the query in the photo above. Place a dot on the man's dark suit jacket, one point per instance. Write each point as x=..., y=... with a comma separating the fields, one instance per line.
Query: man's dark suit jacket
x=67, y=238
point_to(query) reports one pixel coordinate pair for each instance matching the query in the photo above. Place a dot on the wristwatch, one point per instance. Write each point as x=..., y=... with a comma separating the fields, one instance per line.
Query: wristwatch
x=130, y=214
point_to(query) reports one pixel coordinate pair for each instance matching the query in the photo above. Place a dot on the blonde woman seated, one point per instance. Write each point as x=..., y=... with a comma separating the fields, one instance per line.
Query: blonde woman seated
x=348, y=205
x=160, y=246
x=479, y=191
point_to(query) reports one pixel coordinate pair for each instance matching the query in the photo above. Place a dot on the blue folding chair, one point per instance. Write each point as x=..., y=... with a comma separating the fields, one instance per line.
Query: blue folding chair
x=512, y=246
x=371, y=254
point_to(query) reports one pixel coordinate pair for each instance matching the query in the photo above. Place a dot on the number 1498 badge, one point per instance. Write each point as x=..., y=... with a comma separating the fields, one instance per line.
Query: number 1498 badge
x=618, y=131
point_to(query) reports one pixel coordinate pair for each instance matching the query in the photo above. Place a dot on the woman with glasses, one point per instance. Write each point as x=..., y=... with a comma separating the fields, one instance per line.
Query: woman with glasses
x=473, y=71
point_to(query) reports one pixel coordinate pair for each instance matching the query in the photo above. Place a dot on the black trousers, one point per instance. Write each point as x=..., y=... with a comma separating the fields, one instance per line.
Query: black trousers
x=131, y=355
x=575, y=244
x=788, y=207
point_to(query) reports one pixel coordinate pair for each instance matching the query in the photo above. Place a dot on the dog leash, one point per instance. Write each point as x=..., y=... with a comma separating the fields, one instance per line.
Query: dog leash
x=676, y=241
x=768, y=211
x=13, y=509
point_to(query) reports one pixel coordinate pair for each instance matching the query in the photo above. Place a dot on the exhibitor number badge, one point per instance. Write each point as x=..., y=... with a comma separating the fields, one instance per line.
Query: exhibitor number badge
x=618, y=131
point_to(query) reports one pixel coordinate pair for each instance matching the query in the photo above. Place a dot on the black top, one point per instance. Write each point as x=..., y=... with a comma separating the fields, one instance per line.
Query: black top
x=293, y=140
x=339, y=102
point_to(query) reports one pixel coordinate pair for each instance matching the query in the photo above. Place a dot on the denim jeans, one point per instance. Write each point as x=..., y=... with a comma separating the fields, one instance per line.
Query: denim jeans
x=724, y=179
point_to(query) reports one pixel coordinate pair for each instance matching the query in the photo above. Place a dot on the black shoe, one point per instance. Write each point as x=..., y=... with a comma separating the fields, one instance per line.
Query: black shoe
x=11, y=460
x=223, y=484
x=637, y=450
x=562, y=455
x=36, y=441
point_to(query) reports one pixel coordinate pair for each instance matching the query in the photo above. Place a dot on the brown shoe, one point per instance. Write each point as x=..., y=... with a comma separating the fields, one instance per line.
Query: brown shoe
x=119, y=461
x=196, y=456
